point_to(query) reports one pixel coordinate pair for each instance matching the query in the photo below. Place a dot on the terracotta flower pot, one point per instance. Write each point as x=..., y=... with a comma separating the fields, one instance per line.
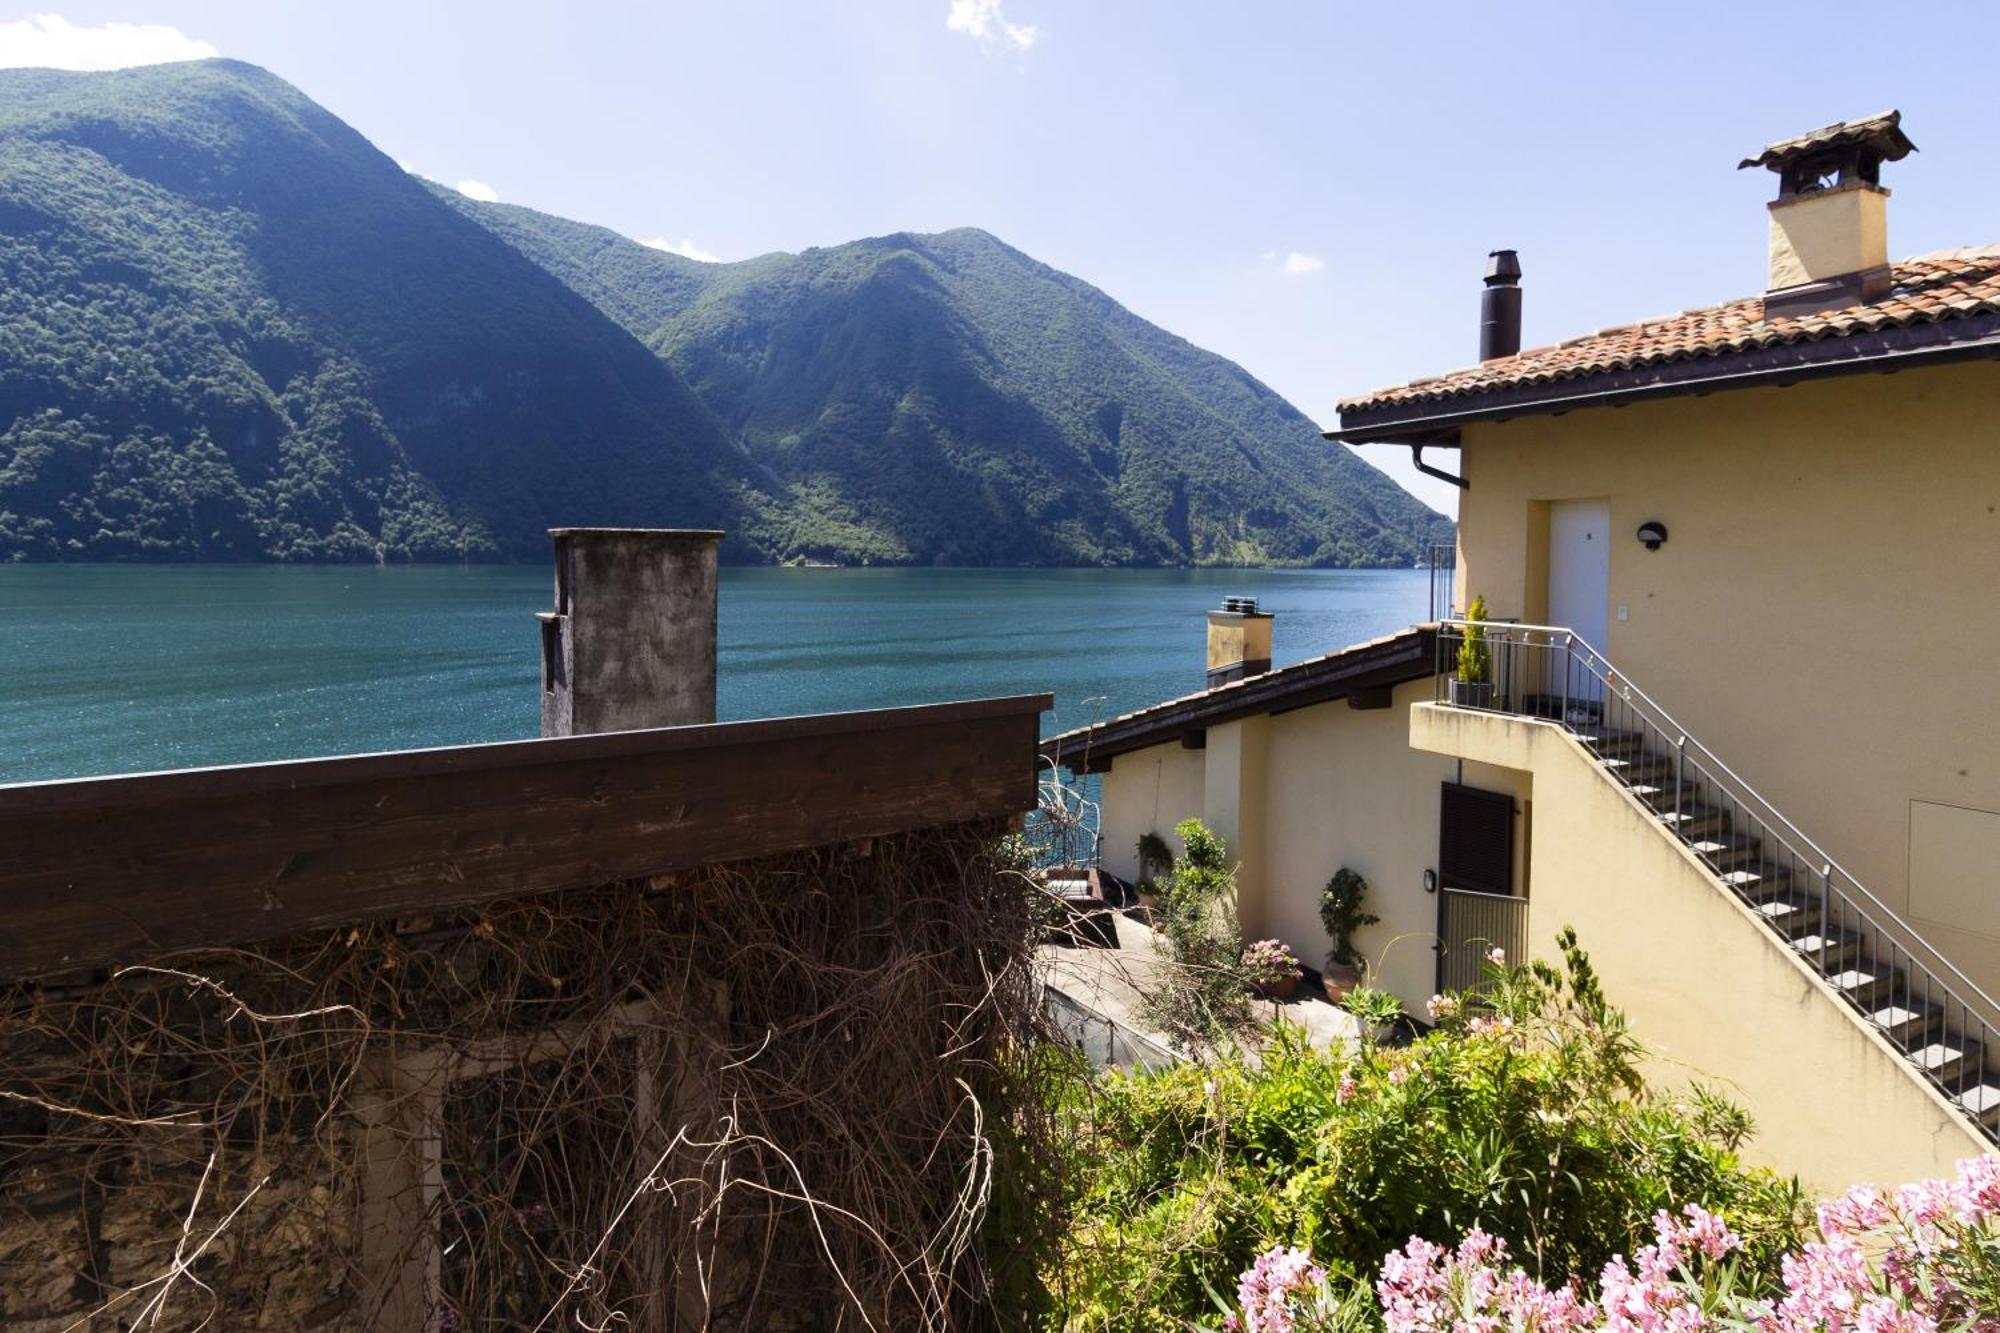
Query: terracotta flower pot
x=1338, y=980
x=1279, y=990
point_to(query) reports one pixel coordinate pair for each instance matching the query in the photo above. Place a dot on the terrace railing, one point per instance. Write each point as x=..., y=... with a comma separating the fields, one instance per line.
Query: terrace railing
x=1441, y=560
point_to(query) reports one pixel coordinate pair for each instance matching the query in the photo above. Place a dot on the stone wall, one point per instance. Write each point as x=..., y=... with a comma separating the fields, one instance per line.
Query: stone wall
x=741, y=1097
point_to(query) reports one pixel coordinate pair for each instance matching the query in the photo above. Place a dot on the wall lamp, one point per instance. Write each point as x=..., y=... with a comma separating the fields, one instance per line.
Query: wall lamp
x=1652, y=535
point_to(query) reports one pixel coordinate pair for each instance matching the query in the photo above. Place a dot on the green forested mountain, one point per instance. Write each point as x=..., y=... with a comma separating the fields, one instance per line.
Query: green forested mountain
x=232, y=329
x=947, y=397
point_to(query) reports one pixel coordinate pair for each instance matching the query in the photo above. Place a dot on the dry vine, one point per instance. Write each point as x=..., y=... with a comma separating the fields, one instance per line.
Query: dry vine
x=779, y=1094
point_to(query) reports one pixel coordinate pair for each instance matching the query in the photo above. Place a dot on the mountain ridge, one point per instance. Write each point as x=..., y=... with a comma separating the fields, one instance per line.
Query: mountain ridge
x=231, y=328
x=702, y=318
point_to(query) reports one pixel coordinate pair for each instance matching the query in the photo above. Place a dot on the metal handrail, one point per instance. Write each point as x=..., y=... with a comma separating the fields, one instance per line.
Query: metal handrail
x=1614, y=679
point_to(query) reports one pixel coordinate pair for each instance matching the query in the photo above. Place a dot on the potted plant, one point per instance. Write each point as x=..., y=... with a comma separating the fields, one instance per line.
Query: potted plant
x=1341, y=913
x=1376, y=1013
x=1272, y=968
x=1472, y=682
x=1155, y=859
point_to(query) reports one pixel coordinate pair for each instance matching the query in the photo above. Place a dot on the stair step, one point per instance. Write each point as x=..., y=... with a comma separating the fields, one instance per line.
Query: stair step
x=1728, y=850
x=1833, y=951
x=1696, y=822
x=1983, y=1101
x=1635, y=766
x=1946, y=1059
x=1907, y=1022
x=1758, y=882
x=1867, y=983
x=1608, y=740
x=1658, y=791
x=1792, y=914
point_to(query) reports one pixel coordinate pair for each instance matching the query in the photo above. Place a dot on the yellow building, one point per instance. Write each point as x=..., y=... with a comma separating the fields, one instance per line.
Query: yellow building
x=1734, y=725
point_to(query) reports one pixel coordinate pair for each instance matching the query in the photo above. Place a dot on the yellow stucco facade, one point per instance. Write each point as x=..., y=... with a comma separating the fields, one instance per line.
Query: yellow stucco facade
x=1715, y=997
x=1816, y=616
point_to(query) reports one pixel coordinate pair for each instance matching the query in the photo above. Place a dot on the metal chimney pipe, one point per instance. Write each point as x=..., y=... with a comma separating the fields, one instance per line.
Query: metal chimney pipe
x=1500, y=306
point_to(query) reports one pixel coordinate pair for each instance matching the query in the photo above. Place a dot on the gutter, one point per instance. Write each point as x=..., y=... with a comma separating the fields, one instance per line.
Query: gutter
x=1882, y=351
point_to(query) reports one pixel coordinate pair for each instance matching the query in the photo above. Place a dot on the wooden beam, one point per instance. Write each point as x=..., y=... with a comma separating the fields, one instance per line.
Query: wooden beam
x=101, y=870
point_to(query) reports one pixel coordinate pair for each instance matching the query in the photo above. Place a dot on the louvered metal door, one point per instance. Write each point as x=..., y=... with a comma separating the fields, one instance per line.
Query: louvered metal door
x=1476, y=909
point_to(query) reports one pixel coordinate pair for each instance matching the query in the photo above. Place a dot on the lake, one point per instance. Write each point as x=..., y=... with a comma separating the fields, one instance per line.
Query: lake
x=116, y=668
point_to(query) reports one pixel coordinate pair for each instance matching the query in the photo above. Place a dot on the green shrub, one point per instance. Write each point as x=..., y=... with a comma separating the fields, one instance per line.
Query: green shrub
x=1200, y=1000
x=1523, y=1113
x=1475, y=659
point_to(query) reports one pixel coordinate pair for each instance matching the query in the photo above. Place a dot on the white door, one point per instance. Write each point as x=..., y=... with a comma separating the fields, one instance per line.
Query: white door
x=1580, y=568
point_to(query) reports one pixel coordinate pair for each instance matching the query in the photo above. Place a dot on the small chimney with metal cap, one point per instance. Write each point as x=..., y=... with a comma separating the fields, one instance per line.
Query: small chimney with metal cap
x=1829, y=228
x=1239, y=641
x=1500, y=306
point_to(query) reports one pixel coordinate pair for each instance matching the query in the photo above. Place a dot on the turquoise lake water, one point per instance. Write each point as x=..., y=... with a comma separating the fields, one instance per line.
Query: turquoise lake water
x=132, y=668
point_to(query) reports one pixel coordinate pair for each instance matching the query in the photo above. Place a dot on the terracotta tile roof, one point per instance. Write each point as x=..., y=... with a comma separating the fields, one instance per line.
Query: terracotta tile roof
x=1929, y=289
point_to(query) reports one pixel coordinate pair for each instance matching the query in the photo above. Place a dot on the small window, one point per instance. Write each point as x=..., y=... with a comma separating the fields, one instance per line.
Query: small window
x=552, y=660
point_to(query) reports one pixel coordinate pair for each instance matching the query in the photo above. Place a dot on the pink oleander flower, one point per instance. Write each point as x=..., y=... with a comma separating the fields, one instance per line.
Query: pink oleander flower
x=1978, y=1189
x=1497, y=956
x=1825, y=1285
x=1925, y=1203
x=1399, y=1076
x=1425, y=1288
x=1860, y=1209
x=1487, y=1025
x=1344, y=1091
x=1883, y=1315
x=1441, y=1007
x=1266, y=1290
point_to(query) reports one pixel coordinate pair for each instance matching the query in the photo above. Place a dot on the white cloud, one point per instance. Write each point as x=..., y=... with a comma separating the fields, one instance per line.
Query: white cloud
x=685, y=247
x=1297, y=265
x=982, y=19
x=50, y=41
x=479, y=190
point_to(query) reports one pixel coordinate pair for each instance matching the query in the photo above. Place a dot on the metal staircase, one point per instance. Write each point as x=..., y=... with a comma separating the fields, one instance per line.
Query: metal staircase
x=1938, y=1018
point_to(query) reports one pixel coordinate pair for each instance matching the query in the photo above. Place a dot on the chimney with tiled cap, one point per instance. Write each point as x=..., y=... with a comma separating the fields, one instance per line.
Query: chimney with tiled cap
x=1829, y=223
x=1239, y=641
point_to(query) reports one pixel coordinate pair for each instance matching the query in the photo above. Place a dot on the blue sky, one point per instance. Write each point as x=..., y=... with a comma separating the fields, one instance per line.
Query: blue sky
x=1307, y=188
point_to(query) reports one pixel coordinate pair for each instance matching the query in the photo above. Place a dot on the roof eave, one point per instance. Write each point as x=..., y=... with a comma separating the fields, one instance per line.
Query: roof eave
x=1878, y=351
x=1409, y=655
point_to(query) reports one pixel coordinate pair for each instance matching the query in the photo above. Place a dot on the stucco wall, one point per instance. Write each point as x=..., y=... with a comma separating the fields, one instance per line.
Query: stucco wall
x=1327, y=786
x=1714, y=995
x=1815, y=615
x=1147, y=791
x=1347, y=790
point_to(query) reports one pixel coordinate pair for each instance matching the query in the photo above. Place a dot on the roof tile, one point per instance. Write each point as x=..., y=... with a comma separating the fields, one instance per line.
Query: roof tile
x=1950, y=284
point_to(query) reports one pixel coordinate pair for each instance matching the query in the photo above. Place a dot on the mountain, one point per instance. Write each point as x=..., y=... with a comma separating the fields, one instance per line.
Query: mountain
x=948, y=398
x=230, y=328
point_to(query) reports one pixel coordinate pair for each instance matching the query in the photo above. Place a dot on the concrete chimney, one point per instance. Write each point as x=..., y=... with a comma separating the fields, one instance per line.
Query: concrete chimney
x=631, y=642
x=1829, y=225
x=1239, y=641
